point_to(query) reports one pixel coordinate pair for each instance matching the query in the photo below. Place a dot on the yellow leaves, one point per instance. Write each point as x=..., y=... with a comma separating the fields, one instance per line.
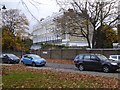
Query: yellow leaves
x=10, y=41
x=110, y=34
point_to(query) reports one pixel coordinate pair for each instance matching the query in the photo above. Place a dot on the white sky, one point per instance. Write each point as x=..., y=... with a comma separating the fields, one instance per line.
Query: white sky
x=44, y=9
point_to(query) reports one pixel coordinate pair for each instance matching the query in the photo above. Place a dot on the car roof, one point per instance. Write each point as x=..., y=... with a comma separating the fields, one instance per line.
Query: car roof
x=114, y=55
x=8, y=54
x=90, y=54
x=29, y=54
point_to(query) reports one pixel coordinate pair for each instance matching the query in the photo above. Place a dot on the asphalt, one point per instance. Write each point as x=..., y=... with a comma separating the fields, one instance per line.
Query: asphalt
x=71, y=68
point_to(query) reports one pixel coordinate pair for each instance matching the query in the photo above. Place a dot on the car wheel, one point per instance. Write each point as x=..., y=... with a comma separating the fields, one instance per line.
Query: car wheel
x=106, y=69
x=33, y=64
x=43, y=65
x=81, y=67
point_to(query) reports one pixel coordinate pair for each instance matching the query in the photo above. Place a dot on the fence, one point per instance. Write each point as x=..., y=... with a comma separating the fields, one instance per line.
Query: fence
x=71, y=53
x=18, y=53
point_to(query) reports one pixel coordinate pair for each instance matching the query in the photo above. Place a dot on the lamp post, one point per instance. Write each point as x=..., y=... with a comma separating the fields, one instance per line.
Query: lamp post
x=3, y=7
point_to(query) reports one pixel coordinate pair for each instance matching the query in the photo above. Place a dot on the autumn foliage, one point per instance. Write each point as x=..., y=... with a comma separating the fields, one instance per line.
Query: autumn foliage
x=12, y=42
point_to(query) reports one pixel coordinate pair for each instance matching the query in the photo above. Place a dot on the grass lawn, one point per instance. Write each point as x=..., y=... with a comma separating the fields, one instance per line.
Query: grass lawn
x=18, y=76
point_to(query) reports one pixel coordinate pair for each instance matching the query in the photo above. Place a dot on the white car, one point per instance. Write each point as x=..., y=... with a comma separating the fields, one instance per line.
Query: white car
x=115, y=57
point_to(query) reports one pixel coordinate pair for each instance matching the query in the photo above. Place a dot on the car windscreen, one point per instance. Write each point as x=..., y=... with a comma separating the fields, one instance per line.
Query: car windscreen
x=34, y=56
x=12, y=56
x=102, y=57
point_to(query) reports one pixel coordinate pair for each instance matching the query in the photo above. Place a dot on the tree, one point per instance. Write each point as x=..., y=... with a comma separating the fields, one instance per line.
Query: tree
x=98, y=13
x=14, y=20
x=14, y=26
x=11, y=42
x=7, y=39
x=70, y=23
x=27, y=44
x=107, y=36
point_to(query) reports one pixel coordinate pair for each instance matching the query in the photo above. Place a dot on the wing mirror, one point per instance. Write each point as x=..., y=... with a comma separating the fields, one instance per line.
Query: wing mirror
x=31, y=58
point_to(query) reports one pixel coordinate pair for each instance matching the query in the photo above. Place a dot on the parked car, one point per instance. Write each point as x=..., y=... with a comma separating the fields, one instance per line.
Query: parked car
x=10, y=58
x=115, y=57
x=33, y=59
x=95, y=62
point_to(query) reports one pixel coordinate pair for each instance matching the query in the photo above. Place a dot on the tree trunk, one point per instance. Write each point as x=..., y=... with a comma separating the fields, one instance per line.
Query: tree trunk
x=89, y=45
x=94, y=37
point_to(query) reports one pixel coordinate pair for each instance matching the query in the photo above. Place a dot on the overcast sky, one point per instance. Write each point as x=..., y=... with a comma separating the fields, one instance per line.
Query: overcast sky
x=44, y=8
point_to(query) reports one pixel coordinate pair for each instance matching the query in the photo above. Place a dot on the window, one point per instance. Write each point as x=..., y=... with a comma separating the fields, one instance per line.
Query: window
x=93, y=57
x=115, y=57
x=80, y=57
x=25, y=56
x=87, y=57
x=118, y=57
x=77, y=57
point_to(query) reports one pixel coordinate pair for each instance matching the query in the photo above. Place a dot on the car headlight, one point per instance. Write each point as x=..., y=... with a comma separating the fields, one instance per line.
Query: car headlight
x=35, y=60
x=114, y=63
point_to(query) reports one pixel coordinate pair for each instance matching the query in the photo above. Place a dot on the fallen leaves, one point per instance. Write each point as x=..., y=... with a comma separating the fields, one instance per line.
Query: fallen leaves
x=43, y=78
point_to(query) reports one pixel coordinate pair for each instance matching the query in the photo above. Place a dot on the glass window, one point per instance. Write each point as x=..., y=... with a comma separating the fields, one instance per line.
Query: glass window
x=115, y=57
x=80, y=57
x=118, y=57
x=102, y=57
x=77, y=57
x=87, y=57
x=93, y=57
x=25, y=56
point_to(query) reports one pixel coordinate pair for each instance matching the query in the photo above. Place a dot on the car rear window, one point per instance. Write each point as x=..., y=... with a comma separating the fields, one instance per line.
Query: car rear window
x=79, y=57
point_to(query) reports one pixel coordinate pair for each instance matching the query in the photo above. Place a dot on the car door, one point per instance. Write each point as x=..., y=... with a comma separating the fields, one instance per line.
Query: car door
x=87, y=61
x=26, y=59
x=29, y=60
x=95, y=62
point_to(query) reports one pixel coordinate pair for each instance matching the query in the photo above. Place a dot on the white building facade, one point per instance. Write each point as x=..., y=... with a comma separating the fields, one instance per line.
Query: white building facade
x=43, y=32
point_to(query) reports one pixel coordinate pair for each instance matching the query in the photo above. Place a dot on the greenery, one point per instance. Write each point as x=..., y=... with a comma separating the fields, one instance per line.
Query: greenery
x=106, y=36
x=18, y=76
x=52, y=46
x=14, y=25
x=12, y=42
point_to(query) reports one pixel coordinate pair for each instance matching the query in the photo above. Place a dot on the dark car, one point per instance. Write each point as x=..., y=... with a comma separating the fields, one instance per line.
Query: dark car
x=95, y=62
x=10, y=58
